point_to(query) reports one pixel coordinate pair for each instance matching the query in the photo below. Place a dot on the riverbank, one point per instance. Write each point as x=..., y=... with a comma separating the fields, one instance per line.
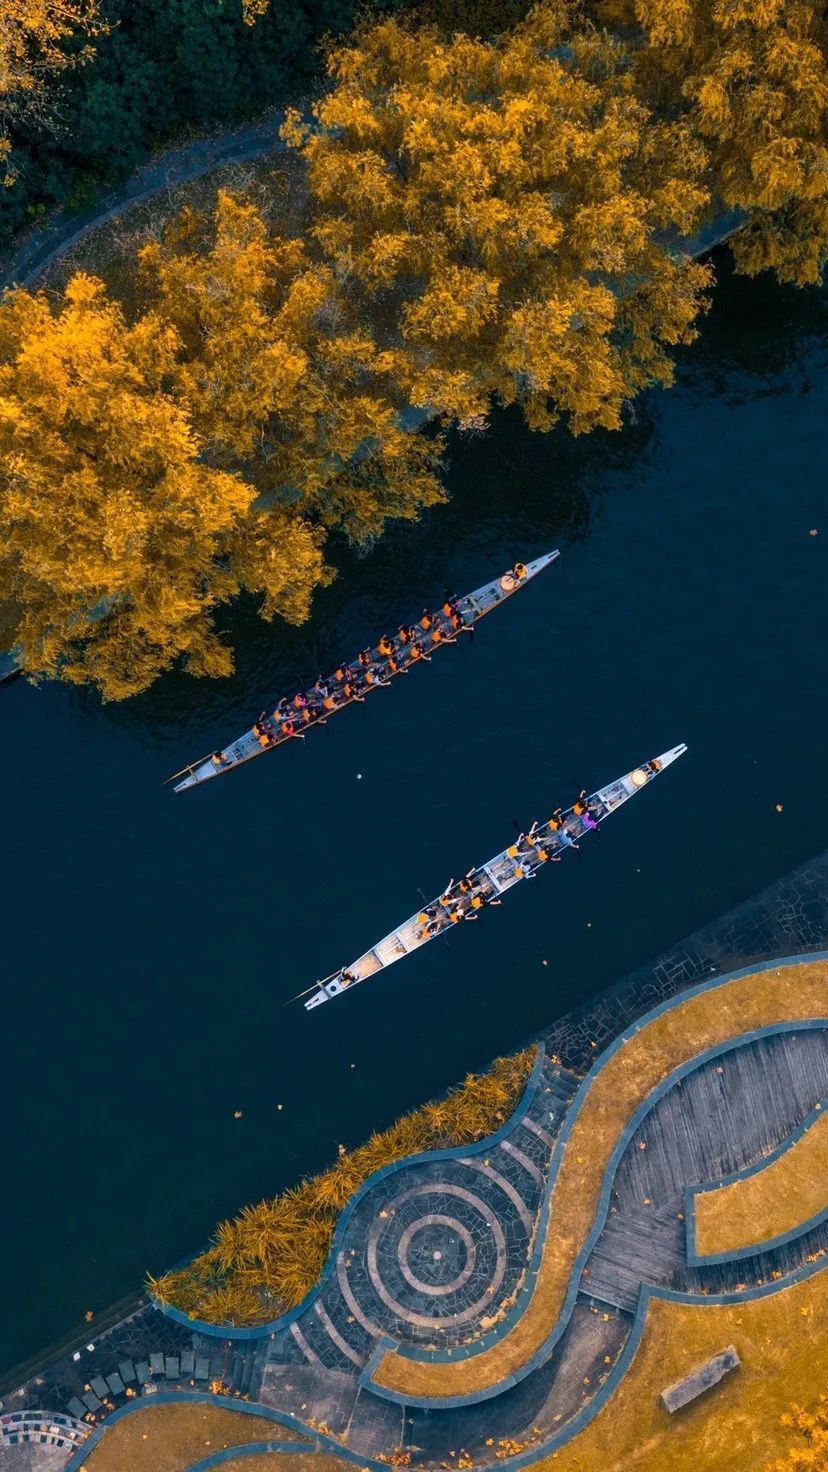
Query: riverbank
x=149, y=1353
x=790, y=916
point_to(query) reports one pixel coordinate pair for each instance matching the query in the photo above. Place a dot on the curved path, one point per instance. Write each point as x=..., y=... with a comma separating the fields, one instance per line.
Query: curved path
x=175, y=166
x=497, y=1284
x=433, y=1257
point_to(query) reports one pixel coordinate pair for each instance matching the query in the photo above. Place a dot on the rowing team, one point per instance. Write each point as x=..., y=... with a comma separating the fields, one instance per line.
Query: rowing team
x=465, y=900
x=351, y=681
x=461, y=901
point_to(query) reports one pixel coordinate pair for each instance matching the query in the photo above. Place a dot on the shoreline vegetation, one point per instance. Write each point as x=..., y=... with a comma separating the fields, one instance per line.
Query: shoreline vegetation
x=472, y=222
x=267, y=1259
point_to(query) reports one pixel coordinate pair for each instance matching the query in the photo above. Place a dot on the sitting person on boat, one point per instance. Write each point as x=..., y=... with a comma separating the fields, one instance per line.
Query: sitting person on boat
x=348, y=977
x=442, y=636
x=385, y=647
x=264, y=733
x=219, y=758
x=519, y=571
x=416, y=651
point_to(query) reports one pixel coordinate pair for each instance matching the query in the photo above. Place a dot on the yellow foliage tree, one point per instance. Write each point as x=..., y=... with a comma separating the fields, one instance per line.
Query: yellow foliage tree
x=279, y=376
x=32, y=37
x=118, y=538
x=751, y=79
x=501, y=200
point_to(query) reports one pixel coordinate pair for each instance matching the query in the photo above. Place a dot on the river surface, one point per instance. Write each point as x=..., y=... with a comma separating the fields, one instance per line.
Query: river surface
x=150, y=941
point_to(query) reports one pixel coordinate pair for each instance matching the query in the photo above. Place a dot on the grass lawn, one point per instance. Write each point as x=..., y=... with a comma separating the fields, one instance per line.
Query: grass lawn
x=789, y=1191
x=782, y=1342
x=661, y=1045
x=170, y=1438
x=279, y=1462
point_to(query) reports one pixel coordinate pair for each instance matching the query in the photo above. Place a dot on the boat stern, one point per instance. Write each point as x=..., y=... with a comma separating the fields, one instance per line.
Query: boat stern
x=326, y=992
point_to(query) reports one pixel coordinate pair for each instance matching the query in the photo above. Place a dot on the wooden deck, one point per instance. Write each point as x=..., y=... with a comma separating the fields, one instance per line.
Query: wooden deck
x=723, y=1117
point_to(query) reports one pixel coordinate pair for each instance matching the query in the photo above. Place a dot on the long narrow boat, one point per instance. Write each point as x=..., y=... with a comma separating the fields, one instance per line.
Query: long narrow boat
x=293, y=718
x=544, y=842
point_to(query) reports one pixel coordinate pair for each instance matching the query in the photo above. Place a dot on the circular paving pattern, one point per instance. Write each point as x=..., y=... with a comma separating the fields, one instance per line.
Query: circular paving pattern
x=438, y=1254
x=437, y=1263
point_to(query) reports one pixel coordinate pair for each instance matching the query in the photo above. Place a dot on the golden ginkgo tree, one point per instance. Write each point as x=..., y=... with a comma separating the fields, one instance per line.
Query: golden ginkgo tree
x=499, y=200
x=33, y=47
x=117, y=536
x=150, y=470
x=750, y=77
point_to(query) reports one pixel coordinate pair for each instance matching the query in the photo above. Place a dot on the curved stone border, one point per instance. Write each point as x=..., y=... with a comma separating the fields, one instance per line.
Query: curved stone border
x=696, y=1259
x=486, y=1342
x=316, y=1441
x=248, y=1449
x=456, y=1152
x=323, y=1443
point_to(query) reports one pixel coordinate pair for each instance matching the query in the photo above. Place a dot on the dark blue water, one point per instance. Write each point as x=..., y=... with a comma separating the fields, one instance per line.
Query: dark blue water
x=150, y=941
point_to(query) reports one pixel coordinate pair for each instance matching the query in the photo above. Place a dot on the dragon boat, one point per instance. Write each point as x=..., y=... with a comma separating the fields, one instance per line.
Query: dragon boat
x=542, y=844
x=352, y=682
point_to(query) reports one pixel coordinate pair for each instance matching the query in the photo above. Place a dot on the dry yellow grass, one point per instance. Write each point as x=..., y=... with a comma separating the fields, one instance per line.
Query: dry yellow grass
x=790, y=1190
x=660, y=1046
x=170, y=1438
x=782, y=1341
x=281, y=1462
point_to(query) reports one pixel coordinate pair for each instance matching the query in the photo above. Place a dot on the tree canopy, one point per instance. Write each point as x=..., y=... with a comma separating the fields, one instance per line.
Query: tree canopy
x=508, y=198
x=492, y=221
x=33, y=34
x=153, y=470
x=751, y=79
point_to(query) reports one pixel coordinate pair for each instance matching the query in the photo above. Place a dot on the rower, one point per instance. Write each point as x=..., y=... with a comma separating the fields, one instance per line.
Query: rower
x=373, y=675
x=439, y=636
x=580, y=807
x=457, y=622
x=393, y=666
x=427, y=620
x=366, y=658
x=449, y=608
x=351, y=692
x=385, y=646
x=417, y=651
x=404, y=634
x=341, y=674
x=556, y=821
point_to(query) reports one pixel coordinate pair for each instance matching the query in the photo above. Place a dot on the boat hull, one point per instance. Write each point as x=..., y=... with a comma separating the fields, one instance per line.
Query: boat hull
x=545, y=844
x=473, y=607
